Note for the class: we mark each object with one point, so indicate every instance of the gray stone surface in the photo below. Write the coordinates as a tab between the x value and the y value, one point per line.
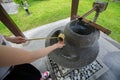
10	7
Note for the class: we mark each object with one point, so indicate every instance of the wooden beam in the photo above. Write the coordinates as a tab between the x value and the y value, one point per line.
99	27
74	9
6	20
0	1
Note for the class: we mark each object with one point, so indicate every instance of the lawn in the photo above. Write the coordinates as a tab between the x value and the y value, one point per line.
47	11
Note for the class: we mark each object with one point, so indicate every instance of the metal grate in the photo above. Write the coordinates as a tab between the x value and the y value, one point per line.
91	71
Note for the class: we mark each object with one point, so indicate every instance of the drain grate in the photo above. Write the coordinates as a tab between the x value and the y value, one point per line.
91	71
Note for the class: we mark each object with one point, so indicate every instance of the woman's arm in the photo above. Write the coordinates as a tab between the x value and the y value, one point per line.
13	56
17	39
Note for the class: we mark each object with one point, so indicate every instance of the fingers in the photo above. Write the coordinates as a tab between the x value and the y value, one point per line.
61	44
20	39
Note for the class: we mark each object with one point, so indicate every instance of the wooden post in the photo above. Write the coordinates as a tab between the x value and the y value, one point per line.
0	1
99	27
6	20
74	9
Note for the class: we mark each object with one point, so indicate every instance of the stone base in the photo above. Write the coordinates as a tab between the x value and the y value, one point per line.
89	72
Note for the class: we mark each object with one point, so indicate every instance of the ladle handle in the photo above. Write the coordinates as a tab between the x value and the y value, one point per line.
40	38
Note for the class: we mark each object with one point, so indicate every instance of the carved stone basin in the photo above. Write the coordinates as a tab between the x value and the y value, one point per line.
81	47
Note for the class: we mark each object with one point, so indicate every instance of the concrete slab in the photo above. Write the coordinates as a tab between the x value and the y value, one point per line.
10	7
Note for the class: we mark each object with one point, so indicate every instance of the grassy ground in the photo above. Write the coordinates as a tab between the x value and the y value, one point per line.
47	11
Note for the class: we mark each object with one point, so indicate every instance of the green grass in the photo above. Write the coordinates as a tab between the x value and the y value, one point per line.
47	11
109	19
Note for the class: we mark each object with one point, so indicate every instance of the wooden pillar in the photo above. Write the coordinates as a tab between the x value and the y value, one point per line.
6	20
74	9
0	1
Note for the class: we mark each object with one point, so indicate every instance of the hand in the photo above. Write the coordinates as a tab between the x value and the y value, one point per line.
60	44
16	40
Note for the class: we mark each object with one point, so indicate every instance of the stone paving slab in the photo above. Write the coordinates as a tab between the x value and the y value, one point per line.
11	7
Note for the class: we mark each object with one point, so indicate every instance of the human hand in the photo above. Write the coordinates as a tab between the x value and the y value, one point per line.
17	39
59	44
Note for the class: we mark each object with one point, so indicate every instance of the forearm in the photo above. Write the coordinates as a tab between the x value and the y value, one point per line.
44	51
7	38
13	56
16	40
